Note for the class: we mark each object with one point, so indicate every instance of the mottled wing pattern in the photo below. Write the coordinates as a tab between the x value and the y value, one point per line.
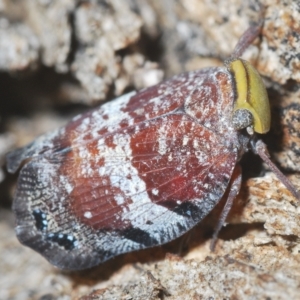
136	173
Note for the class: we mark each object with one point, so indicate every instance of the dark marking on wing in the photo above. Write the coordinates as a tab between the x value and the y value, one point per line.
139	236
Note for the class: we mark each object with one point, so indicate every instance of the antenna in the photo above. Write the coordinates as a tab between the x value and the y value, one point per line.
246	39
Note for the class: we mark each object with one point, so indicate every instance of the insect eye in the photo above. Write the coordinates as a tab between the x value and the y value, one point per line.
251	96
242	118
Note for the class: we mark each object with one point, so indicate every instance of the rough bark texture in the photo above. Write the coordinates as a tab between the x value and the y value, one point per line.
55	55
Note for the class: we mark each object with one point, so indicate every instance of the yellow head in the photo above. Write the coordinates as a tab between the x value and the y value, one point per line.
252	106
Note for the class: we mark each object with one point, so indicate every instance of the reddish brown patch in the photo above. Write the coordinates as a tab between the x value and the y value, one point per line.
97	198
204	96
92	199
225	86
142	100
174	179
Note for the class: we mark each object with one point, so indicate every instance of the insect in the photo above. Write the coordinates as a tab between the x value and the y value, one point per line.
143	169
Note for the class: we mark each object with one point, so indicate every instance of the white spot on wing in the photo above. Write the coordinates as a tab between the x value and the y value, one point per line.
185	140
155	192
88	215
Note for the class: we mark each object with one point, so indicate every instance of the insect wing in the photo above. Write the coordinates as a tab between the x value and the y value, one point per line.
135	173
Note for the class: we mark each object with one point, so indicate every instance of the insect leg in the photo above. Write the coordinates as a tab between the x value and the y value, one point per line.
234	188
